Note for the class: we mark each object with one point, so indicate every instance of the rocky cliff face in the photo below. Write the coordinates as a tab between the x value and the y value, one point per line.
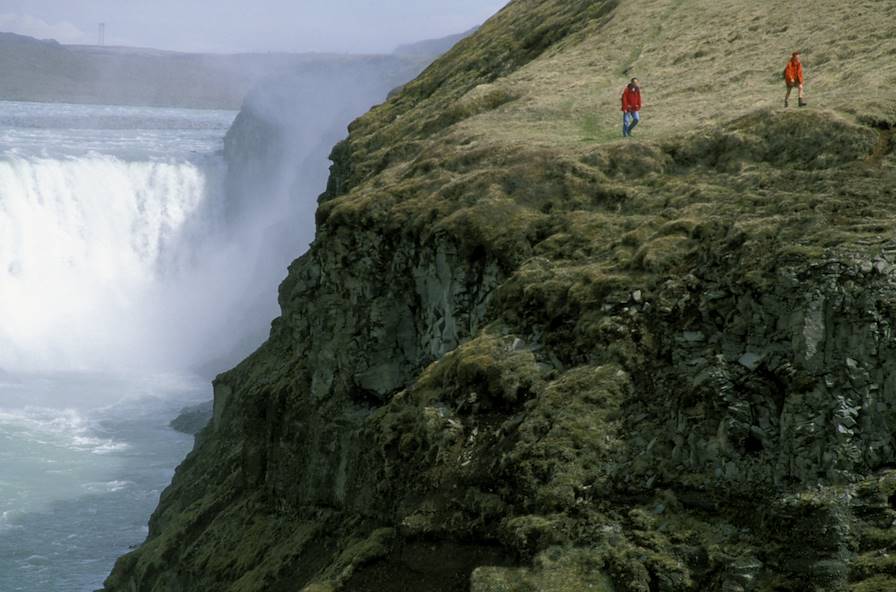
522	356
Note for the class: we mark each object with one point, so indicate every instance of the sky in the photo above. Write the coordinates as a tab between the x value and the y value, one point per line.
357	26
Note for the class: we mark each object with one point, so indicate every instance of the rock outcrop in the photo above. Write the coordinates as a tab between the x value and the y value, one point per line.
523	356
192	420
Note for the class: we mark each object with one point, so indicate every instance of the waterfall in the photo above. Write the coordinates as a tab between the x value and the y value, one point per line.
87	244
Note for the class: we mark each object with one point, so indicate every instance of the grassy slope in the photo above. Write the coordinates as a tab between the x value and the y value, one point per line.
701	62
633	275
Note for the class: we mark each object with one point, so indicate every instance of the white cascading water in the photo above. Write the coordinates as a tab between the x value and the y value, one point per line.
81	244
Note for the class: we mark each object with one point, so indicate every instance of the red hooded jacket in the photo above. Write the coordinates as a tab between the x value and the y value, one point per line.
631	99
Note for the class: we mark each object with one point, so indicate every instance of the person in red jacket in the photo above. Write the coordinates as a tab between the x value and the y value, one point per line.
793	76
631	105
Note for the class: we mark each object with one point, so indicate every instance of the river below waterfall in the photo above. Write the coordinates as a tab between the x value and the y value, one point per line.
78	482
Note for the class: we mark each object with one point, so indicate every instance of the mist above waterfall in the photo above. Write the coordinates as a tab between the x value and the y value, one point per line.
277	153
137	238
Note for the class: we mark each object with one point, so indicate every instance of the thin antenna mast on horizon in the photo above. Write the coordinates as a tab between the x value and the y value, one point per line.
101	40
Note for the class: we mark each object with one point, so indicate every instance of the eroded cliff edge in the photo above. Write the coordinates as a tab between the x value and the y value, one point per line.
523	356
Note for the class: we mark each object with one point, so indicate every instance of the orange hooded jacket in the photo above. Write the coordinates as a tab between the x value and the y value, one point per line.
794	71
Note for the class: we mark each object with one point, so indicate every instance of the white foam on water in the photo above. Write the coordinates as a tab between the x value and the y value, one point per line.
51	454
7	521
64	428
107	487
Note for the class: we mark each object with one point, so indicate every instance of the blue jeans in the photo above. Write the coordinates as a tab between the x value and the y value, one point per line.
629	121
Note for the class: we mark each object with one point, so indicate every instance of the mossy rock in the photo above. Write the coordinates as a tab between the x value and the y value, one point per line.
556	570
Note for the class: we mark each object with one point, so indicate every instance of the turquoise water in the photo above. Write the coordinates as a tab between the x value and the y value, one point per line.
79	481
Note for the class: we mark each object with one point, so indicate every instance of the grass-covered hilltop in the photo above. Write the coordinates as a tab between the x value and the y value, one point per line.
524	354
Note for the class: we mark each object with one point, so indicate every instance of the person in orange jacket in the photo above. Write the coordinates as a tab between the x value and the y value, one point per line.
631	105
793	76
